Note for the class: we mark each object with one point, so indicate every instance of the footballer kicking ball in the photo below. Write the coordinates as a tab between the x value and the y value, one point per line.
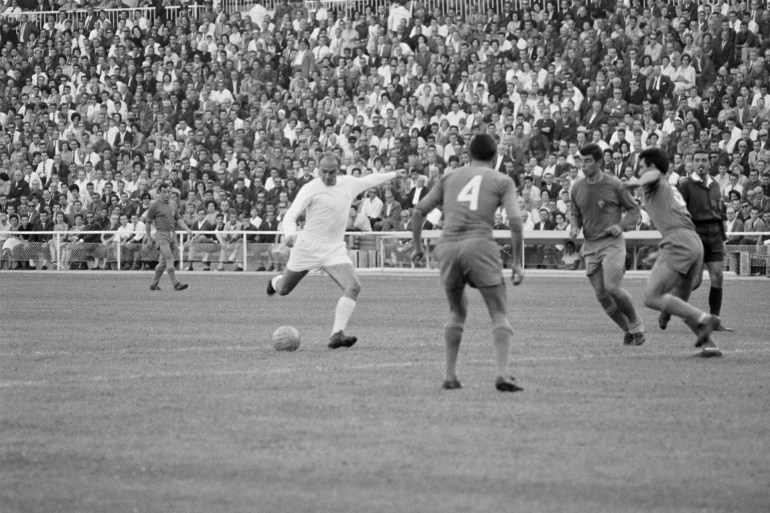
286	338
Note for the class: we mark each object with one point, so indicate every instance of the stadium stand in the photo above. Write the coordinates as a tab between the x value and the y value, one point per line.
233	102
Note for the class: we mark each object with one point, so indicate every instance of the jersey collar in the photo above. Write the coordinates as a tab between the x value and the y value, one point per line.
695	177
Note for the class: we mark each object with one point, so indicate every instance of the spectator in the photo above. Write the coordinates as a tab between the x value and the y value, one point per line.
570	259
733	225
203	105
754	224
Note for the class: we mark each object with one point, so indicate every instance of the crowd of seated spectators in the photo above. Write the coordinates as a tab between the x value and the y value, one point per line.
235	108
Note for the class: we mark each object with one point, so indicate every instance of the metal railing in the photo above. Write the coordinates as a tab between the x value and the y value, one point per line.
340	7
256	250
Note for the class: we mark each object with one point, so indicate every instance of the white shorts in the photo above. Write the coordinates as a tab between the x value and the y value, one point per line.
310	255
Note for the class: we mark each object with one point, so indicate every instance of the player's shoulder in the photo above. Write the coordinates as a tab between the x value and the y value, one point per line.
612	180
578	184
466	173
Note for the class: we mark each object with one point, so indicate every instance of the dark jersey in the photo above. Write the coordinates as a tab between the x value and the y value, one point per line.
597	206
704	202
470	196
164	214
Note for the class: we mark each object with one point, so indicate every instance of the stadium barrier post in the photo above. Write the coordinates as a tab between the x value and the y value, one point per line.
58	252
181	250
245	252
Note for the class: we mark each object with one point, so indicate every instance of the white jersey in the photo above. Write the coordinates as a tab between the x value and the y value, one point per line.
326	208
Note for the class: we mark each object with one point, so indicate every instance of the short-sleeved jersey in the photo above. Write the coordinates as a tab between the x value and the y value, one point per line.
597	206
327	207
470	196
165	214
666	207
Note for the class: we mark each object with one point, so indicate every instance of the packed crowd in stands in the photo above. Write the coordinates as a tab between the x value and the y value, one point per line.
234	109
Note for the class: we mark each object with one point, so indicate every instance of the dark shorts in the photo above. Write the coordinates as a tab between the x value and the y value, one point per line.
167	240
681	251
711	238
475	262
606	252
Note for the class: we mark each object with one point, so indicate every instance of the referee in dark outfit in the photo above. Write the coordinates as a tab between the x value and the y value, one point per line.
704	201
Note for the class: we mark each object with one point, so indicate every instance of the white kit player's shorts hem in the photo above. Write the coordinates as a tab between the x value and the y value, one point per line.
310	255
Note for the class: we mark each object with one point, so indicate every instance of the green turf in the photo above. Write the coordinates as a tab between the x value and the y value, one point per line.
113	398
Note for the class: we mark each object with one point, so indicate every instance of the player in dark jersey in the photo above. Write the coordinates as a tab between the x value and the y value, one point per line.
468	253
165	214
681	254
597	203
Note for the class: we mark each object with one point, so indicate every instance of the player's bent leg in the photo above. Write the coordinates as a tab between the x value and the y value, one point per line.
660	294
607	302
162	259
698	277
453	334
284	283
167	260
613	278
344	275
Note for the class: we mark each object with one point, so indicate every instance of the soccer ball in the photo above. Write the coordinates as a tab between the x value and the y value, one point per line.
286	338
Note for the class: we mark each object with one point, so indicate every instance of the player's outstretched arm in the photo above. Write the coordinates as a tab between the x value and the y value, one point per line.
359	185
434	198
633	211
648	178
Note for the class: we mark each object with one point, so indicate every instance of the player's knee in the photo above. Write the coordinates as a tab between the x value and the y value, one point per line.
456	318
612	289
455	324
716	276
353	289
603	296
651	300
502	323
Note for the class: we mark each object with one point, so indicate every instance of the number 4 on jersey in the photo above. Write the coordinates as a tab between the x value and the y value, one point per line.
470	192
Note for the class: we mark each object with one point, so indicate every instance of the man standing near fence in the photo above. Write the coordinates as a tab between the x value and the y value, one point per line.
597	200
165	214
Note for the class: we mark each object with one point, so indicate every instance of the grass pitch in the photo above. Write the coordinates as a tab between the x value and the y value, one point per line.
113	398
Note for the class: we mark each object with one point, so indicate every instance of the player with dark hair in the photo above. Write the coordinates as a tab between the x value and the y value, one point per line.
597	200
321	244
165	214
468	253
681	254
703	199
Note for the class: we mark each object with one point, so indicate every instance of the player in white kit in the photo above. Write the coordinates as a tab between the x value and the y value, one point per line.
326	203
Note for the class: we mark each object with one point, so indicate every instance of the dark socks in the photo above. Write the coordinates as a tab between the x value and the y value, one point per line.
715	301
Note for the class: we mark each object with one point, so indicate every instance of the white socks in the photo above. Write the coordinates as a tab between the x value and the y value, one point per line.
275	281
342	313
